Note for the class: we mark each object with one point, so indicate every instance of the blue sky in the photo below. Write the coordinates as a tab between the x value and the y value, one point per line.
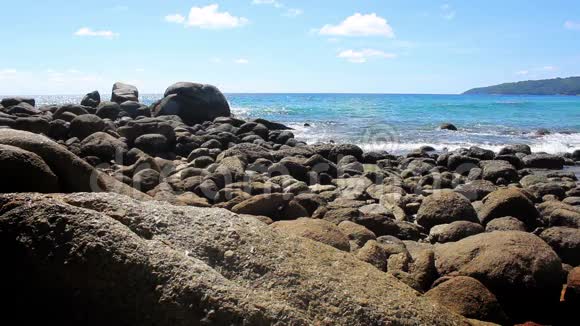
367	46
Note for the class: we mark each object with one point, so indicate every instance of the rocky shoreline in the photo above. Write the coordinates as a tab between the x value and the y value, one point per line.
178	213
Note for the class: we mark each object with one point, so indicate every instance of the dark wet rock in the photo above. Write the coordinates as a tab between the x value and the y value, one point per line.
317	230
22	109
448	126
133	129
103	146
25	171
134	109
10	101
566	243
108	110
468	297
249	152
84	125
445	207
58	129
124	92
152	144
543	161
508	202
272	125
518	267
494	170
69	112
342	150
480	153
476	190
37	125
236	271
507	223
454	231
516	148
461	163
92	99
194	103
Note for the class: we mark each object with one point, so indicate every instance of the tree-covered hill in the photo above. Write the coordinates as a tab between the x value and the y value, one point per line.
557	86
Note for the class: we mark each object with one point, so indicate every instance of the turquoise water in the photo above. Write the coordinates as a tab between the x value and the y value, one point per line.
399	123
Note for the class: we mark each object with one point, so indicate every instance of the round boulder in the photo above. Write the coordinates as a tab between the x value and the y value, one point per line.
507	223
84	125
454	231
103	146
566	243
92	99
518	267
508	202
193	103
124	92
468	297
25	172
443	207
152	143
146	180
317	230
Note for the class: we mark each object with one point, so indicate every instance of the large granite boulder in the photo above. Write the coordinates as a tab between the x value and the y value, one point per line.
24	171
443	207
124	92
315	229
74	174
469	298
193	102
104	259
518	267
508	202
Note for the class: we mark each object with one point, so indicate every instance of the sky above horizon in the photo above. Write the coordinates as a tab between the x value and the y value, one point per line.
362	46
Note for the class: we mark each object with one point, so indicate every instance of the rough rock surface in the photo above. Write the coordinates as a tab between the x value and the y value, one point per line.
113	260
469	298
444	207
518	267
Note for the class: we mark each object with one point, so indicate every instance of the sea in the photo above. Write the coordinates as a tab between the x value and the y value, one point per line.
399	123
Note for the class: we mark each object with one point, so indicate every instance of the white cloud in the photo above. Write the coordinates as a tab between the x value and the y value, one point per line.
364	55
177	18
447	11
268	2
522	72
208	17
293	12
573	25
549	68
360	25
86	31
242	61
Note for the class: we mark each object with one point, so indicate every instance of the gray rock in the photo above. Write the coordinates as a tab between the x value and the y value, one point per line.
10	101
104	146
208	265
448	126
152	144
194	103
516	148
476	190
84	125
124	92
92	99
493	170
108	110
543	161
146	180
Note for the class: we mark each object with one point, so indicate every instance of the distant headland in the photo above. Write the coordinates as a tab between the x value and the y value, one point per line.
556	86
